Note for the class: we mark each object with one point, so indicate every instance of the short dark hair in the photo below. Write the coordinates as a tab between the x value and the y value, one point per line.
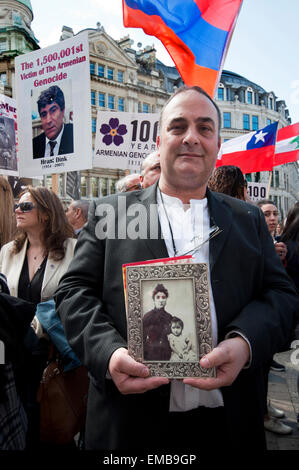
199	90
52	95
263	202
177	320
160	288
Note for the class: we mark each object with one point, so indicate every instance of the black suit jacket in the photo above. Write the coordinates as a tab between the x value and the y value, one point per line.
251	292
66	143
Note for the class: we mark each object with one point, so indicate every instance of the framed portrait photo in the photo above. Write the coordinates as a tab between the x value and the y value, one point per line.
168	318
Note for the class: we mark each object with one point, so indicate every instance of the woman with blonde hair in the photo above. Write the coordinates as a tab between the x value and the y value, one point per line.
7	220
33	264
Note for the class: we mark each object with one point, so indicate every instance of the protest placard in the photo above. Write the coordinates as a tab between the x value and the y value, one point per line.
8	136
123	140
53	98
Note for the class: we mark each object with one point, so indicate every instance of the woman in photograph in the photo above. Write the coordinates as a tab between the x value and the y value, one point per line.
156	328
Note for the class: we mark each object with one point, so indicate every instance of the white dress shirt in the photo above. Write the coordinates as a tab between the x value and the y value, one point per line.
190	225
56	148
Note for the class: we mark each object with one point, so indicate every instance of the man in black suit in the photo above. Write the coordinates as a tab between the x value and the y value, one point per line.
57	138
252	300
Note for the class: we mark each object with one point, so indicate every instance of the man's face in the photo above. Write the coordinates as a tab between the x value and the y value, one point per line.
133	183
189	142
71	214
151	172
52	120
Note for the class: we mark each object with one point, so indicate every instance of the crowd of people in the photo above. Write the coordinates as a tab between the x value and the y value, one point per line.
56	268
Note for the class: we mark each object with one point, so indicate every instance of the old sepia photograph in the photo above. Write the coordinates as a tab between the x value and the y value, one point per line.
169	322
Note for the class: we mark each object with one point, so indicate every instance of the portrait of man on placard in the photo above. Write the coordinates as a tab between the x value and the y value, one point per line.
8	154
52	112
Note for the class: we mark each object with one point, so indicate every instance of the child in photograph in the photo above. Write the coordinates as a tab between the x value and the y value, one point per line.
180	344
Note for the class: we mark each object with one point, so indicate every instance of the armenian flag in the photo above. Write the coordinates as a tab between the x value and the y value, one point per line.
196	33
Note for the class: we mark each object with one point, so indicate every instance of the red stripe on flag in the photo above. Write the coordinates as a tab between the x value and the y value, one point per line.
219	13
286	157
250	161
288	132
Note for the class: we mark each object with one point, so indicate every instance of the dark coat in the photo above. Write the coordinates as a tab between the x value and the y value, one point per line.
156	328
251	291
66	143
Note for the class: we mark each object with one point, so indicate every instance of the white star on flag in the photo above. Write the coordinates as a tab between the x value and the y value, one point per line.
260	136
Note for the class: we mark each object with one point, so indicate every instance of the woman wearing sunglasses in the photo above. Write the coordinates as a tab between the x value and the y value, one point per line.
33	264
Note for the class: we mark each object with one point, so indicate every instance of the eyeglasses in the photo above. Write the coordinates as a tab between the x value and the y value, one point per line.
24	206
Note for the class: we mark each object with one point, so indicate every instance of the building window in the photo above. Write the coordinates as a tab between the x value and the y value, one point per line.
246	124
101	70
3	45
95	186
266	101
257	177
93	125
220	94
255	123
120	76
242	96
110	73
121	104
102	100
104	186
269	122
139	107
83	186
112	185
229	94
92	68
3	78
226	120
93	98
110	101
271	103
249	97
145	108
276	176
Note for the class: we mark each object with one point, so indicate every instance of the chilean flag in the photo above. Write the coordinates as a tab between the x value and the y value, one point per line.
196	33
250	152
287	145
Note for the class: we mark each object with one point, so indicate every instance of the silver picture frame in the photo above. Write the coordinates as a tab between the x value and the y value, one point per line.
150	326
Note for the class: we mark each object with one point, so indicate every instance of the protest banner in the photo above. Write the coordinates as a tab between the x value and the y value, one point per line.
123	140
8	136
257	191
53	96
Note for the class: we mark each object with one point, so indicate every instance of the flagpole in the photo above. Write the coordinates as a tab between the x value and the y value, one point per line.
269	184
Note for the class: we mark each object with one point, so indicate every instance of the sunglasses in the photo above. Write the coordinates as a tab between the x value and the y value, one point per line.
24	206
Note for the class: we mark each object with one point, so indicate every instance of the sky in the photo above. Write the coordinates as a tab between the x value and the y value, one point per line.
264	46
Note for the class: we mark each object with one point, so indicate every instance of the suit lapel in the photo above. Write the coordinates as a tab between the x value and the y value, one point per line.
221	216
50	271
